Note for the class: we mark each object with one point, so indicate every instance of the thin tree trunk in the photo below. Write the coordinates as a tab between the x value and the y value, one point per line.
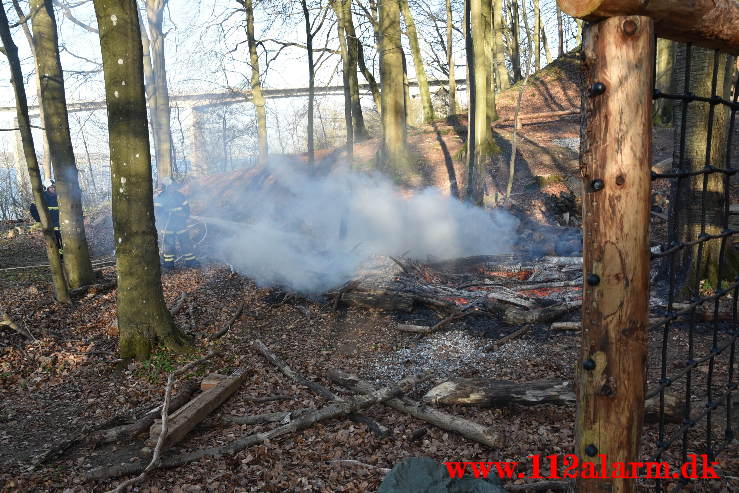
160	110
311	80
537	35
502	80
393	99
143	318
516	41
352	45
46	162
545	45
61	292
256	84
423	84
338	7
56	122
560	34
450	60
367	74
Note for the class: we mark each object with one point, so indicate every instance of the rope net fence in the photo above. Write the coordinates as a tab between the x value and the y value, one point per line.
695	269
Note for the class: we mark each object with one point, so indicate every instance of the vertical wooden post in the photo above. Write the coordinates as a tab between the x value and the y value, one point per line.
615	163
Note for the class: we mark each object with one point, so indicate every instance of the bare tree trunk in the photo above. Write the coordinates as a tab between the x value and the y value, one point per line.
701	261
352	45
311	80
516	41
450	60
61	291
545	46
393	99
537	35
502	80
160	110
487	21
46	163
423	84
560	34
481	145
256	84
143	318
338	7
56	123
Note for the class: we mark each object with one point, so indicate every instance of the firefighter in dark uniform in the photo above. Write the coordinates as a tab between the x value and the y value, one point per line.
52	204
172	212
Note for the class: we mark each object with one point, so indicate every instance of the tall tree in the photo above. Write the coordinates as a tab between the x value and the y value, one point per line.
450	59
61	291
353	53
56	122
537	35
309	35
423	83
338	6
480	143
515	40
560	34
391	77
158	89
502	81
257	96
46	163
706	133
143	318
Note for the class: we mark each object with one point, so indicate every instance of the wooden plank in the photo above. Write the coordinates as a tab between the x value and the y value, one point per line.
212	380
195	411
708	23
618	56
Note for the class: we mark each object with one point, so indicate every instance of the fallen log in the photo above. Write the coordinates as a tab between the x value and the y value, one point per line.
230	323
143	424
333	410
540	315
5	321
566	326
277	417
93	289
195	411
375	427
468	429
493	393
514	335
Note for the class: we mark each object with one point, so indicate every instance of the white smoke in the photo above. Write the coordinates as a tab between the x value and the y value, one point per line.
312	233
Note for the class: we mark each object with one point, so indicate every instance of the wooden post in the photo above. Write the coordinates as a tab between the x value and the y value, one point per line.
707	23
615	157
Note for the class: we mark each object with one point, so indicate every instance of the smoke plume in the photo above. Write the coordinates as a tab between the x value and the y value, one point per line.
312	233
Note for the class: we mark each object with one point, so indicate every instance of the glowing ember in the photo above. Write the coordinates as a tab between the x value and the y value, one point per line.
458	301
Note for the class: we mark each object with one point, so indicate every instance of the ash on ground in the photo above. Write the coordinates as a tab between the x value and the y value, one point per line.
455	353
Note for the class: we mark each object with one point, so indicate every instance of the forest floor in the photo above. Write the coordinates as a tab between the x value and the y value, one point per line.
66	382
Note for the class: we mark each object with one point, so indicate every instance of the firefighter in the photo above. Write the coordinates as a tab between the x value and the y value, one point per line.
52	204
172	212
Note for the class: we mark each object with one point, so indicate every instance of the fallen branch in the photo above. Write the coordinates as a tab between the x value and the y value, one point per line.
229	324
268	398
540	315
383	470
258	419
158	449
93	289
5	321
143	424
495	393
566	326
178	304
333	410
374	426
513	335
468	429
